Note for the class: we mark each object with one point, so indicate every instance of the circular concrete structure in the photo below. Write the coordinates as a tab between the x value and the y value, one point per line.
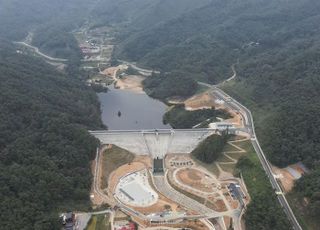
134	190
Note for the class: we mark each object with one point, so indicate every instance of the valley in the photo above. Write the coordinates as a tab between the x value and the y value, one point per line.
159	114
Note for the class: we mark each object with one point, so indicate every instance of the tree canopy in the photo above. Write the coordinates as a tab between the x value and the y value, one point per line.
45	148
211	148
164	86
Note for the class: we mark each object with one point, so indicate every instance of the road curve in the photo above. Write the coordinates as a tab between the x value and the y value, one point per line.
249	124
146	72
37	51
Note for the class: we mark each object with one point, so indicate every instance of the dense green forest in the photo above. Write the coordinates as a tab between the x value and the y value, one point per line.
45	149
57	42
211	148
306	196
164	86
136	15
179	118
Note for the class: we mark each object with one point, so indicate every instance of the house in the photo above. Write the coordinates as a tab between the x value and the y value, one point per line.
68	220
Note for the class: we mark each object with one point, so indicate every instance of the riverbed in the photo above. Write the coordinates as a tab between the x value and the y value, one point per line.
129	110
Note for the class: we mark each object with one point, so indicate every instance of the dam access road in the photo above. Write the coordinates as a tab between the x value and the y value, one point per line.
249	125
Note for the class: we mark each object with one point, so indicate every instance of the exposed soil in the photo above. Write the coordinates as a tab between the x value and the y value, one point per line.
227	221
217	204
188	224
206	100
200	101
194	179
131	82
286	178
194	175
110	71
160	206
236	119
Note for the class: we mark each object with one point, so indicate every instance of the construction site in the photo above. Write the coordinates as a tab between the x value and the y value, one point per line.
151	176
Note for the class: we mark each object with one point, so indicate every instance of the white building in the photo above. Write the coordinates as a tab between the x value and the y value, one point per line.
222	126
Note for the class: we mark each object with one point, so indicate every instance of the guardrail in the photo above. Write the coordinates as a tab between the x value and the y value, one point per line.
266	164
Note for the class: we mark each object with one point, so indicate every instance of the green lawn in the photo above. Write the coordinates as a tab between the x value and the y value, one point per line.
210	167
223	158
236	156
112	159
255	177
230	168
99	222
188	194
229	147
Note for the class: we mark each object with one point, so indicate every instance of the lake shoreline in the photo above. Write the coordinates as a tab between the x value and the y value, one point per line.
131	110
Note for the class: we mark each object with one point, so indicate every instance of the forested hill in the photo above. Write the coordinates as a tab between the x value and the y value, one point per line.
141	14
208	40
45	148
50	21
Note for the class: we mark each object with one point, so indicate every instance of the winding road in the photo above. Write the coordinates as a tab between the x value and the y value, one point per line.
145	72
249	125
37	51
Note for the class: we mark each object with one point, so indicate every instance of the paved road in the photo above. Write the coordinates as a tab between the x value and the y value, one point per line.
163	187
146	72
233	75
37	51
249	124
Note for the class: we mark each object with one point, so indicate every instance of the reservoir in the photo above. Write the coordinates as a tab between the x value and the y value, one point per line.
128	110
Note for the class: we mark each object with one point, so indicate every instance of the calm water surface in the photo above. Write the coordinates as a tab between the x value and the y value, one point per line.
138	111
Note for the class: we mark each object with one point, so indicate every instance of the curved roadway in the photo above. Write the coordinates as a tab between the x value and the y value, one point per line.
249	125
37	51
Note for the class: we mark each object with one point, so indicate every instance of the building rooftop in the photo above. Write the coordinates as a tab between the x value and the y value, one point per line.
136	192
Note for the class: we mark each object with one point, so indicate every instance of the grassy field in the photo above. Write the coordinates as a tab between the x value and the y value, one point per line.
223	158
99	222
112	159
210	167
229	147
236	156
188	194
255	178
230	168
226	167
